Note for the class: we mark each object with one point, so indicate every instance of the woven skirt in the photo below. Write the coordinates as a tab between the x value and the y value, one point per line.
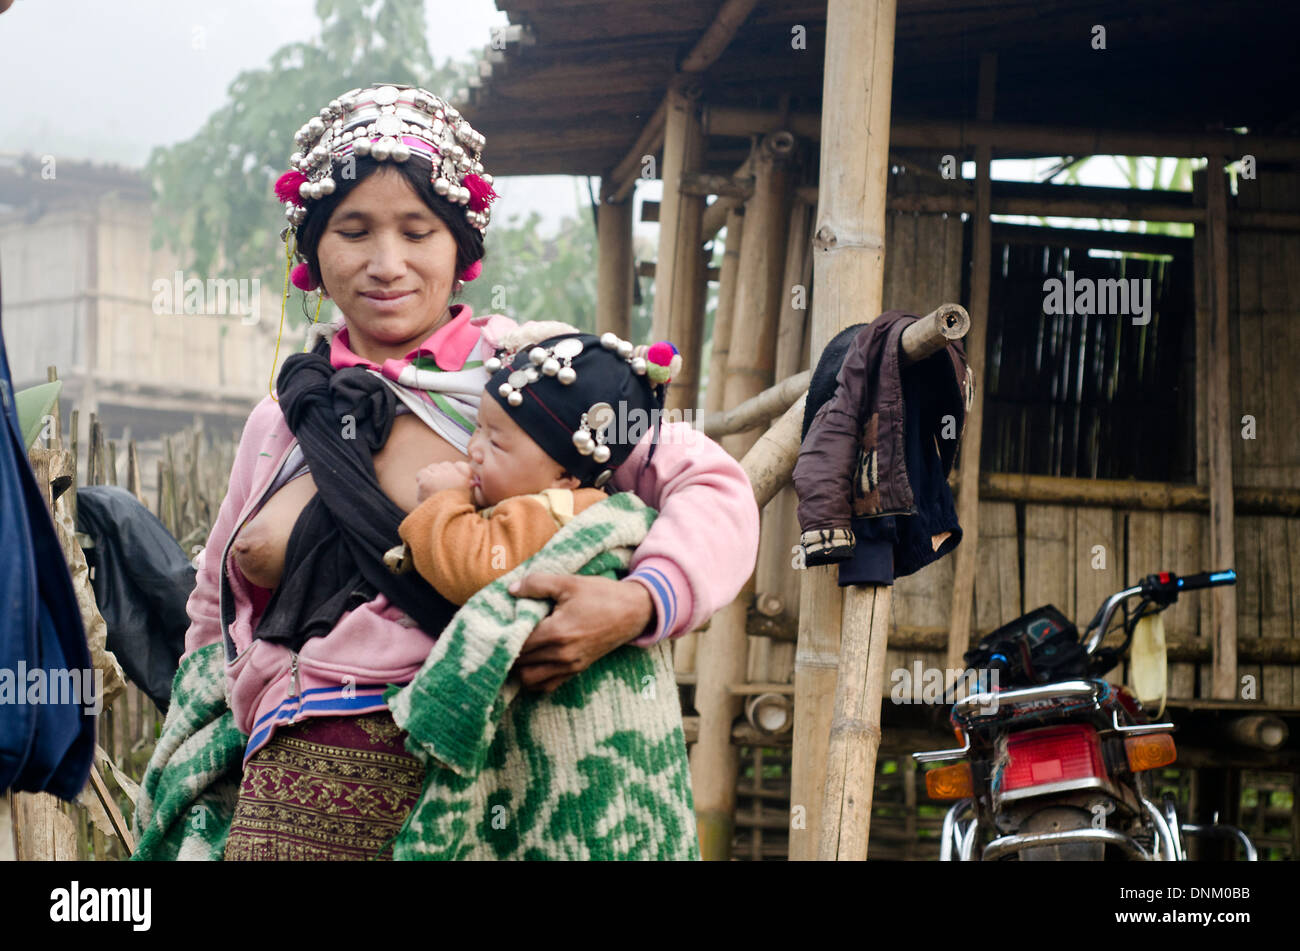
328	788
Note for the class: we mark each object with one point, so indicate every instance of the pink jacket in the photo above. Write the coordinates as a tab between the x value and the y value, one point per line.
703	498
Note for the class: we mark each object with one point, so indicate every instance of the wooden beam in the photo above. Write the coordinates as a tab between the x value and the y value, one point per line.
1015	138
704	185
1130	494
963	588
1219	428
614	268
622	179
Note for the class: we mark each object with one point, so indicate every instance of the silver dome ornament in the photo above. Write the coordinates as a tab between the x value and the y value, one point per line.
583	442
381	150
315	126
609	340
289	210
335	106
401	152
566	375
533	375
638	366
327	186
296	159
385	95
625	349
505	389
487	179
603	478
441	186
361	147
315	191
551	366
304	191
538	355
515	398
601	454
492	364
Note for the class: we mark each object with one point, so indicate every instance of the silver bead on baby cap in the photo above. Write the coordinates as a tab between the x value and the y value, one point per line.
542	361
589	437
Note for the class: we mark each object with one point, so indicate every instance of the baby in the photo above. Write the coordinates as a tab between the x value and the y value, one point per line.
544	446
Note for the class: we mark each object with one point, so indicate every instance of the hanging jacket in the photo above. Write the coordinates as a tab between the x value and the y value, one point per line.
142	581
47	687
877	449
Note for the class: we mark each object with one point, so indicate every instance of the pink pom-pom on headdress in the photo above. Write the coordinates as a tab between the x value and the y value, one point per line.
480	192
471	272
663	362
300	277
287	185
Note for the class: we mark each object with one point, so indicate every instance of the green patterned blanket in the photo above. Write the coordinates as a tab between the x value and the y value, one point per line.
596	770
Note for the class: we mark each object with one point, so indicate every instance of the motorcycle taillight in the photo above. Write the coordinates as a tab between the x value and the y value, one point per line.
1052	755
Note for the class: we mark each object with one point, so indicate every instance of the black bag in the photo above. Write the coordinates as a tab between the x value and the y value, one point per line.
1039	647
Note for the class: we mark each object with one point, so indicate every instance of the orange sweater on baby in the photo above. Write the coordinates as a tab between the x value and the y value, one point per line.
458	548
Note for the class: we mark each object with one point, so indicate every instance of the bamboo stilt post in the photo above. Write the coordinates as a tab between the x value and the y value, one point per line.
614	273
848	283
773	579
963	587
111	462
1219	435
722	317
751	357
679	267
133	478
722	654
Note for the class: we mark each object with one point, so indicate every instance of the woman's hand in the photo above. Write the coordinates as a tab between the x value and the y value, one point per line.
592	617
441	475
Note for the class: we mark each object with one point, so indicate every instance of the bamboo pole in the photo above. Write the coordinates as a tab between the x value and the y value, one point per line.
758	410
848	284
751	358
722	317
770	461
721	657
963	587
1125	493
614	268
1219	434
678	266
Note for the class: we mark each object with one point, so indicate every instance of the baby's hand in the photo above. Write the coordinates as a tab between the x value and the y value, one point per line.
439	476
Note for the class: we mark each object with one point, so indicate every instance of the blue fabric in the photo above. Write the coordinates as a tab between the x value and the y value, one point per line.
44	746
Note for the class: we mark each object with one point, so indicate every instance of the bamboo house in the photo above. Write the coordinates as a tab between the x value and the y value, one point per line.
829	141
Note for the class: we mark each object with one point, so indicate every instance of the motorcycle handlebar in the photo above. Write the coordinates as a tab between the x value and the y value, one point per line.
1207	579
1162	588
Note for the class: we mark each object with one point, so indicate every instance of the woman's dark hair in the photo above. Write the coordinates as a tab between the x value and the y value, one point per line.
416	169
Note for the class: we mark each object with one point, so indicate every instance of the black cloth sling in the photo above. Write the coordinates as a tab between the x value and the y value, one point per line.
334	559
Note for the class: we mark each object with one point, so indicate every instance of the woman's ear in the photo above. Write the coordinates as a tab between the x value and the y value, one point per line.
567	481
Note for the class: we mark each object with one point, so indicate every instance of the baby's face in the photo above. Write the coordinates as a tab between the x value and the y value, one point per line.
504	461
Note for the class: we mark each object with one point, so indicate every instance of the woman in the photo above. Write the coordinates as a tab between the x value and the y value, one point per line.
387	202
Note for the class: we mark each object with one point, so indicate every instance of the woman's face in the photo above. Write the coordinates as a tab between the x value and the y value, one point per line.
388	262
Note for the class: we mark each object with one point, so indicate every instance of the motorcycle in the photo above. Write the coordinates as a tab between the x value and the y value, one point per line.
1054	762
